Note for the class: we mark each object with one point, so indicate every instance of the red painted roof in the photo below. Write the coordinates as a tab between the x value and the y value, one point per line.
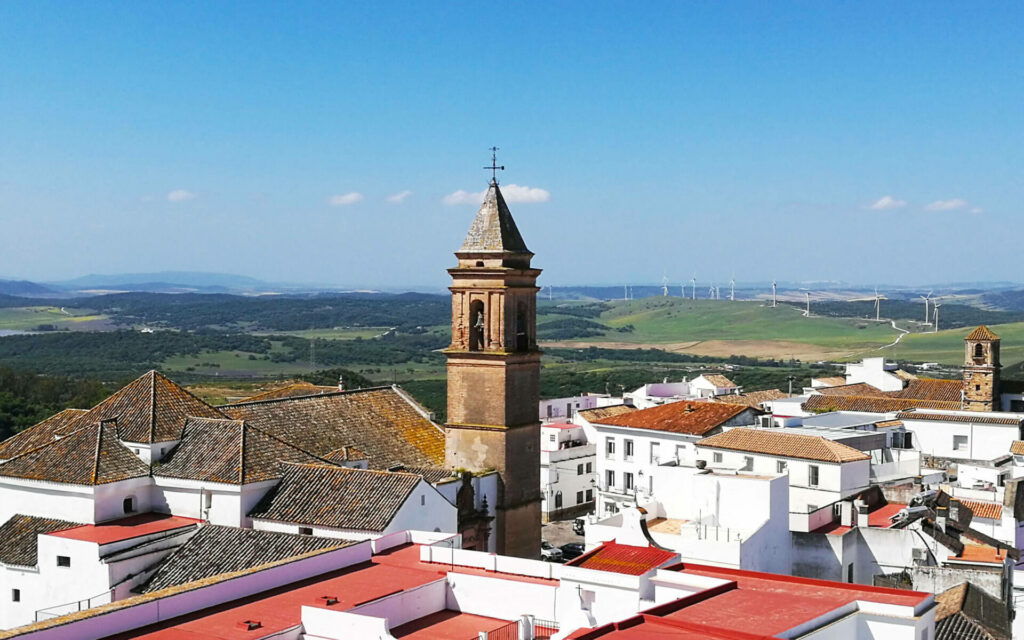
879	519
771	604
143	524
278	609
621	558
560	425
693	418
446	624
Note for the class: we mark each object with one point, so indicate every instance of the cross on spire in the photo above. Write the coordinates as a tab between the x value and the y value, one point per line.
494	165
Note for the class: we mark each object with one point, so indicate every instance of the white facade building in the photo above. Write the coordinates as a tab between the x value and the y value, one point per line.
567	471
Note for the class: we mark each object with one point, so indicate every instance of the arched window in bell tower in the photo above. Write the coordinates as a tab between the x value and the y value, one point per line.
979	351
477	323
522	328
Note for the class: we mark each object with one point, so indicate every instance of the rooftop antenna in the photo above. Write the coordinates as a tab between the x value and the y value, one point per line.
494	165
732	289
664	286
775	300
693	287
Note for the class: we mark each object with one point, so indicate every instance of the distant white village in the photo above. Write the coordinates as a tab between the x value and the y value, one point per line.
870	505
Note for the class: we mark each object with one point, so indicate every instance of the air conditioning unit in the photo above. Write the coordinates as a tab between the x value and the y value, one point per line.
920	555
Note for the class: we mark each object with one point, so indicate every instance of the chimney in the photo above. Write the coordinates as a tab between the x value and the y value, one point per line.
862	512
341	383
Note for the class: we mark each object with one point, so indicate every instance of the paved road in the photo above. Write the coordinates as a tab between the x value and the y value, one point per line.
559	533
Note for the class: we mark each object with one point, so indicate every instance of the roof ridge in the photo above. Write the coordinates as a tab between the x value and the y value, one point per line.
312	395
96	455
47	444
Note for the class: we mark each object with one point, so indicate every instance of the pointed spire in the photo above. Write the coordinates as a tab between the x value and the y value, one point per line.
493	229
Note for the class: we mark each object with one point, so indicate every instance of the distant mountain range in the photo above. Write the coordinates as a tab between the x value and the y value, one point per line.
164	280
24	288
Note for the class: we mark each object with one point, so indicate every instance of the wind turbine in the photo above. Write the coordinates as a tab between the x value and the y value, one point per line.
711	292
926	299
878	306
732	289
808	296
693	285
774	299
935	308
664	286
625	292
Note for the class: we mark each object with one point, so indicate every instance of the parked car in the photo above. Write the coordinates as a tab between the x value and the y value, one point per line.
572	550
550	553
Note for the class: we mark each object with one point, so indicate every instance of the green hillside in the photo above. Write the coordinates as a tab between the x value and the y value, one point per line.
947	347
676	319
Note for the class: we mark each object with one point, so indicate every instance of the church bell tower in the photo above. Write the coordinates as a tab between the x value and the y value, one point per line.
981	370
493	367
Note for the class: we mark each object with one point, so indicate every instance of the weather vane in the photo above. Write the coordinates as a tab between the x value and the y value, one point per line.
494	164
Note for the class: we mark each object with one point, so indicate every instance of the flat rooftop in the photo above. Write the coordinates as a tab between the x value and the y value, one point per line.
774	603
278	609
878	519
447	625
137	526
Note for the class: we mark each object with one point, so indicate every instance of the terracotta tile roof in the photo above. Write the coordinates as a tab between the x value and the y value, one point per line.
18	538
904	375
752	398
230	452
855	389
90	456
214	550
296	389
832	381
151	408
981	553
59	424
981	333
961	613
337	497
889	423
789	445
930	389
965	417
983	509
624	559
493	229
694	418
823	403
1017	447
346	453
719	380
381	422
600	413
433	475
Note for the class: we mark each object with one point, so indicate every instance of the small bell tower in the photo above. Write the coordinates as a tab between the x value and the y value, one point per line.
493	368
981	370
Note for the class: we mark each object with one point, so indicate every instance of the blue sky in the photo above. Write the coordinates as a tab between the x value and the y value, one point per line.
645	139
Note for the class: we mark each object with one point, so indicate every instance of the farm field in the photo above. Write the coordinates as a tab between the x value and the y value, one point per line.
722	328
29	318
947	347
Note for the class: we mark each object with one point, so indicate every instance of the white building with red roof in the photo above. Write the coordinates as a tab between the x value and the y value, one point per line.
419	586
567	463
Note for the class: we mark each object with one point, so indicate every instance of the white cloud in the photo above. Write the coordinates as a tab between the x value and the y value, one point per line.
399	197
947	205
343	200
977	210
513	193
180	195
887	202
